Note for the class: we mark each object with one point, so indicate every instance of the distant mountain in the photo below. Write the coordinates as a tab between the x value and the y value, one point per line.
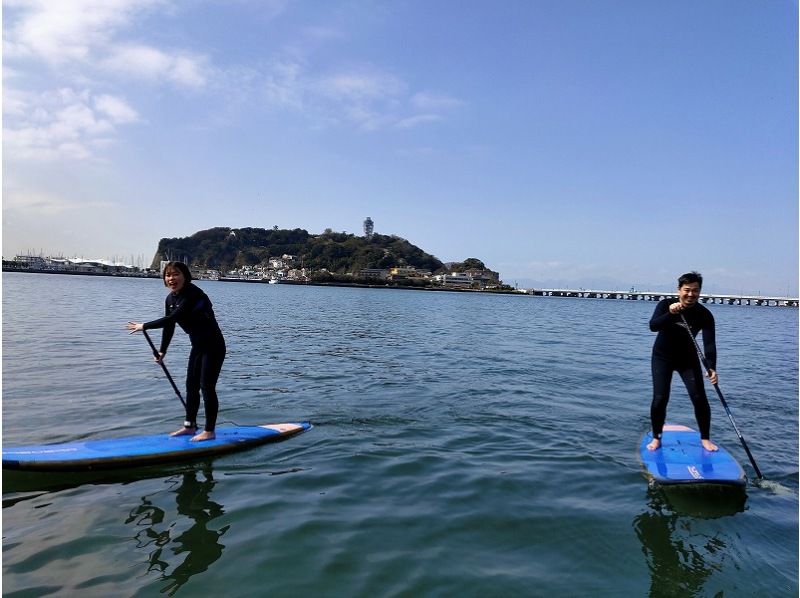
228	248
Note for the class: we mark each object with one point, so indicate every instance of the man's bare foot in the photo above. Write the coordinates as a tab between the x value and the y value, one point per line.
185	432
708	445
204	436
654	445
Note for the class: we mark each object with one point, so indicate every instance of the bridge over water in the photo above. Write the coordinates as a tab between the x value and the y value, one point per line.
659	295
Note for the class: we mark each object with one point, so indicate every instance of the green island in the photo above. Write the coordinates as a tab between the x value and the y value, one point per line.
297	256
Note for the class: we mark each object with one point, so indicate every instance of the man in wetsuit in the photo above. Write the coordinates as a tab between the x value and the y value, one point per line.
674	351
189	307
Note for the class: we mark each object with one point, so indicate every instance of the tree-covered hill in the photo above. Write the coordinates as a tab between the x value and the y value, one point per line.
225	249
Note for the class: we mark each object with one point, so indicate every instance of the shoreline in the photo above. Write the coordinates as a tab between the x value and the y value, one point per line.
714	299
266	281
76	273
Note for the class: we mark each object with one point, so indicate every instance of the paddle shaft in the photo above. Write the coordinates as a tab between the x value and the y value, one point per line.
722	399
163	367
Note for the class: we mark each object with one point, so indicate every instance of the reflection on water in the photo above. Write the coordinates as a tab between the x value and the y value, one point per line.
199	543
682	552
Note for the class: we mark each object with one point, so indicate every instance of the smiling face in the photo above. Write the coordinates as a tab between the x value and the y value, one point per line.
174	279
689	293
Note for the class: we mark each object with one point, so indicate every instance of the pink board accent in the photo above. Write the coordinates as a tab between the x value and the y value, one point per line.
676	428
282	428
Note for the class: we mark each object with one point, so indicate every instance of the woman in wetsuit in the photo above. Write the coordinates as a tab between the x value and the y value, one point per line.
190	308
674	351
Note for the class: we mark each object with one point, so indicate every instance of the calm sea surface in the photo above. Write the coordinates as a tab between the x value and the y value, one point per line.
464	445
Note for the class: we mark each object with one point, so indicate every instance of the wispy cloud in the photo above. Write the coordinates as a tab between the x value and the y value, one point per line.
361	87
413	121
370	99
429	100
43	204
367	97
284	84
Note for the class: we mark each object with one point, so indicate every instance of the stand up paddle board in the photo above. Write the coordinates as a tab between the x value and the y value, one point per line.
683	460
136	451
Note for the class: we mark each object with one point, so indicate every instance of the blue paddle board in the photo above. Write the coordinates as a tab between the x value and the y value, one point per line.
683	460
135	451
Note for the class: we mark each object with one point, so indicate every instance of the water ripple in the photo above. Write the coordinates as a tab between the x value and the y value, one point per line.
463	445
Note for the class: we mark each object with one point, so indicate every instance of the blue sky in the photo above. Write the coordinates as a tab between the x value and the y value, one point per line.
596	144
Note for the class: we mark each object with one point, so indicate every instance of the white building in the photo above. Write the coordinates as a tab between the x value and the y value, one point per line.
456	279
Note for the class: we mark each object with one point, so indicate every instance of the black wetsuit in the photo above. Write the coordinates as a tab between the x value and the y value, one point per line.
192	310
674	351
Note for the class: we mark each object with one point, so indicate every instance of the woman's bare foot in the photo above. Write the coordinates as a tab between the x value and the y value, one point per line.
708	445
654	445
185	432
204	435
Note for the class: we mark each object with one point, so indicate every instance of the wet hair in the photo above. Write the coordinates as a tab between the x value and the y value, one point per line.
183	268
691	277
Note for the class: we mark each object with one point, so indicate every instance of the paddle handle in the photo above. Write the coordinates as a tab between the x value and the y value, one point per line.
163	367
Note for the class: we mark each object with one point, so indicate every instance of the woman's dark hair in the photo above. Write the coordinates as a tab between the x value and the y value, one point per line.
691	277
184	269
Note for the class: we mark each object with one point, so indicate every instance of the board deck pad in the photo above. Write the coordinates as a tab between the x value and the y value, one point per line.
136	451
683	460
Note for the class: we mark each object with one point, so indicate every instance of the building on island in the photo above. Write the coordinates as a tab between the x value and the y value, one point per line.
454	279
377	273
408	273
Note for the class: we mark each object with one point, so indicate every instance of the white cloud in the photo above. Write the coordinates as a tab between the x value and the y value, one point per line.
146	62
63	124
61	31
88	34
188	70
14	102
116	109
139	61
79	39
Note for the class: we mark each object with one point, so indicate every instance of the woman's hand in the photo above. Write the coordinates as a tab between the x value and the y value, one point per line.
134	327
712	376
159	358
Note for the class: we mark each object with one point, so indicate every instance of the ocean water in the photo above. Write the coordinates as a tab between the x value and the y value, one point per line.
464	445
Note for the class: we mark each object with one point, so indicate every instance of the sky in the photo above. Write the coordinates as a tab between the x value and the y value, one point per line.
600	144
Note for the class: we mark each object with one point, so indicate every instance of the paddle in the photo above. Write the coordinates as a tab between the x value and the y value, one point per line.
722	399
163	367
